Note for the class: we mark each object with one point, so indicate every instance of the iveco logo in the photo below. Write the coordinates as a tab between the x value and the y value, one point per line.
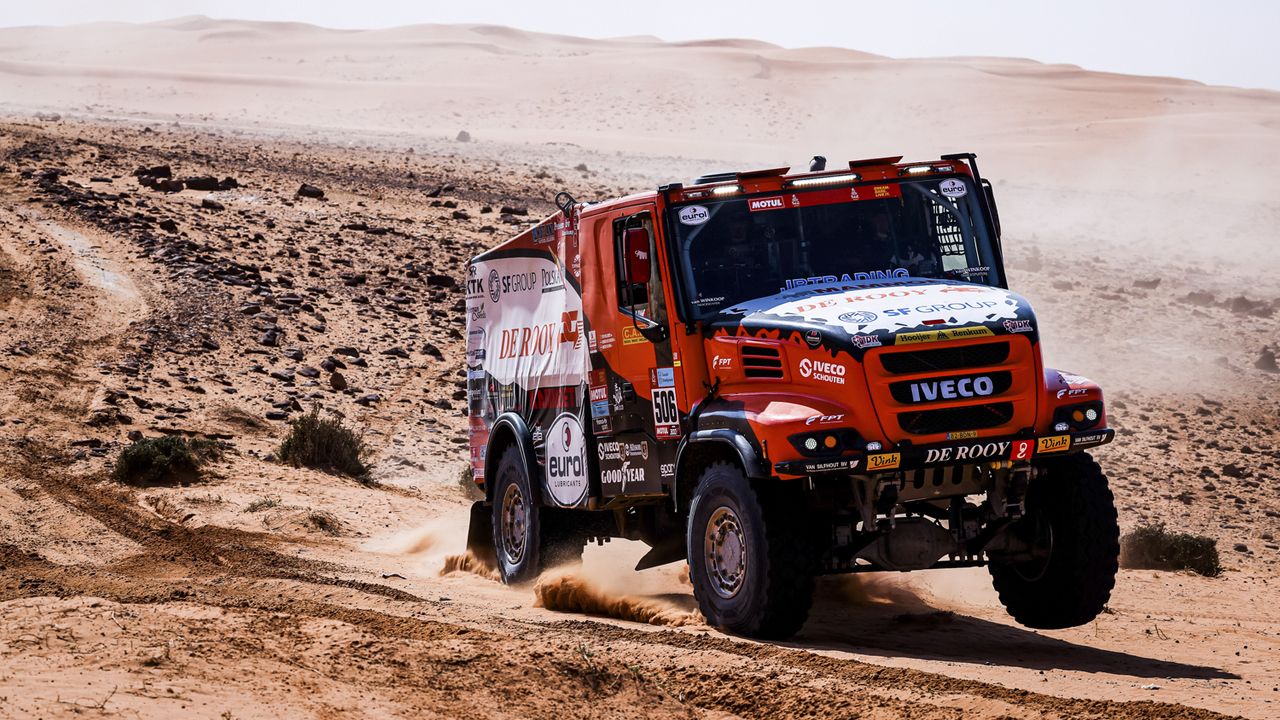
952	389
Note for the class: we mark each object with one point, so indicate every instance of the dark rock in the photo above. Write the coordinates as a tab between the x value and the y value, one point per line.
211	204
396	352
293	353
369	399
511	210
433	351
282	375
310	191
277	415
337	381
346	351
210	344
169	225
167	186
463	136
203	182
228	183
157	171
461	215
307	371
269	338
1267	361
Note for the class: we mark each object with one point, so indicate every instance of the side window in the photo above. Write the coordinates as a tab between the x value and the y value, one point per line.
643	299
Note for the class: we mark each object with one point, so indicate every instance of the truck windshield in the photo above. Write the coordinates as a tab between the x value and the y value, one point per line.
752	246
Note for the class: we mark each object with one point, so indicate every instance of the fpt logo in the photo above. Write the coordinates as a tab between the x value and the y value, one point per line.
495	286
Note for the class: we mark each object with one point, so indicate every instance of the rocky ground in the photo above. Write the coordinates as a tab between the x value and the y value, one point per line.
165	280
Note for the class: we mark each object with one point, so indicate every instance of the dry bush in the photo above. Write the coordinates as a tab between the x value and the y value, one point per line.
325	444
1155	548
164	459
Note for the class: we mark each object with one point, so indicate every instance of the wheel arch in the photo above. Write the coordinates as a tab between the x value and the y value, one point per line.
700	449
509	429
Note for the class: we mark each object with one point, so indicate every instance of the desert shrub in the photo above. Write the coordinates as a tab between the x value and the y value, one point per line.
164	458
325	444
1156	548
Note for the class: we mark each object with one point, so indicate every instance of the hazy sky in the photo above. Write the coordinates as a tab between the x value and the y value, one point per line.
1225	42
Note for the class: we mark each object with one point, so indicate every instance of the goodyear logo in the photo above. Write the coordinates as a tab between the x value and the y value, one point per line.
887	461
927	336
1057	443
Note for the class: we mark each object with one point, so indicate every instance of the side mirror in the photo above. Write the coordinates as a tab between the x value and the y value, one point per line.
636	248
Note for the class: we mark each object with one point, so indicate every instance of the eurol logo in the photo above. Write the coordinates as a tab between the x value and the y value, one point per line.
768	203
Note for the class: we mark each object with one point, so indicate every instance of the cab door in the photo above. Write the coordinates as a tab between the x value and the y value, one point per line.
634	384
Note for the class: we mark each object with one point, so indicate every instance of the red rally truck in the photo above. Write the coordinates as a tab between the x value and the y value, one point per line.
779	375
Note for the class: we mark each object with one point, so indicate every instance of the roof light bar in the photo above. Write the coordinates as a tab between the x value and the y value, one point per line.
725	190
824	180
917	170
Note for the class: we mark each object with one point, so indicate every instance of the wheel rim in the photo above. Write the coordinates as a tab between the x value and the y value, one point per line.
515	520
726	552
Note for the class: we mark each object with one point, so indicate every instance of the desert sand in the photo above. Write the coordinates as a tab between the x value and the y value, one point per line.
1139	218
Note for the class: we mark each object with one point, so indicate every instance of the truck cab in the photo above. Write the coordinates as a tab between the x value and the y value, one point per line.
776	375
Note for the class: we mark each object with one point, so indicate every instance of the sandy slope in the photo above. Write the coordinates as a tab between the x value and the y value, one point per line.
267	591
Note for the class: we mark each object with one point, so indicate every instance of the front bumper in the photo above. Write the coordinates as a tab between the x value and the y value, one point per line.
970	452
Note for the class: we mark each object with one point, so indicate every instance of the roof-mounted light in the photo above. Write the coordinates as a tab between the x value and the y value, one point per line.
823	180
916	170
723	190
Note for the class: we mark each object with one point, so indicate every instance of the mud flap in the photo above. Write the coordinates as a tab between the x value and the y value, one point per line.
480	533
667	550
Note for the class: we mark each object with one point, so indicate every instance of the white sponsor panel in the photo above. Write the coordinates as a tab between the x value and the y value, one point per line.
886	307
532	323
566	460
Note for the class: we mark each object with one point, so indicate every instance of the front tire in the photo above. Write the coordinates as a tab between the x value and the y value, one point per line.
1071	512
748	563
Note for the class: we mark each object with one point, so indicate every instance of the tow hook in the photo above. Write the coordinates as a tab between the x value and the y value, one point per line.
1016	492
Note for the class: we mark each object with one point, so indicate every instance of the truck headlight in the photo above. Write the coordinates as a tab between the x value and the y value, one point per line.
1078	417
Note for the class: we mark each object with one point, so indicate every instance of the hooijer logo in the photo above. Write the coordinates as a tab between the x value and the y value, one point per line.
693	215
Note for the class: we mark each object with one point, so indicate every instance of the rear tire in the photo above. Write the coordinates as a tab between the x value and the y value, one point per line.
748	561
526	536
1071	507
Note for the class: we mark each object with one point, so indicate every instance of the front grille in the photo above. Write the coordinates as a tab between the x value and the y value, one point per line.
1001	381
942	420
761	362
946	358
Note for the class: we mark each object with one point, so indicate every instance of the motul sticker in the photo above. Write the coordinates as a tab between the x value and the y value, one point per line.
666	414
768	203
887	461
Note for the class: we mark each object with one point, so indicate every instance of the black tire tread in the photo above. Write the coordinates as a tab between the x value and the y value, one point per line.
788	581
1082	571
